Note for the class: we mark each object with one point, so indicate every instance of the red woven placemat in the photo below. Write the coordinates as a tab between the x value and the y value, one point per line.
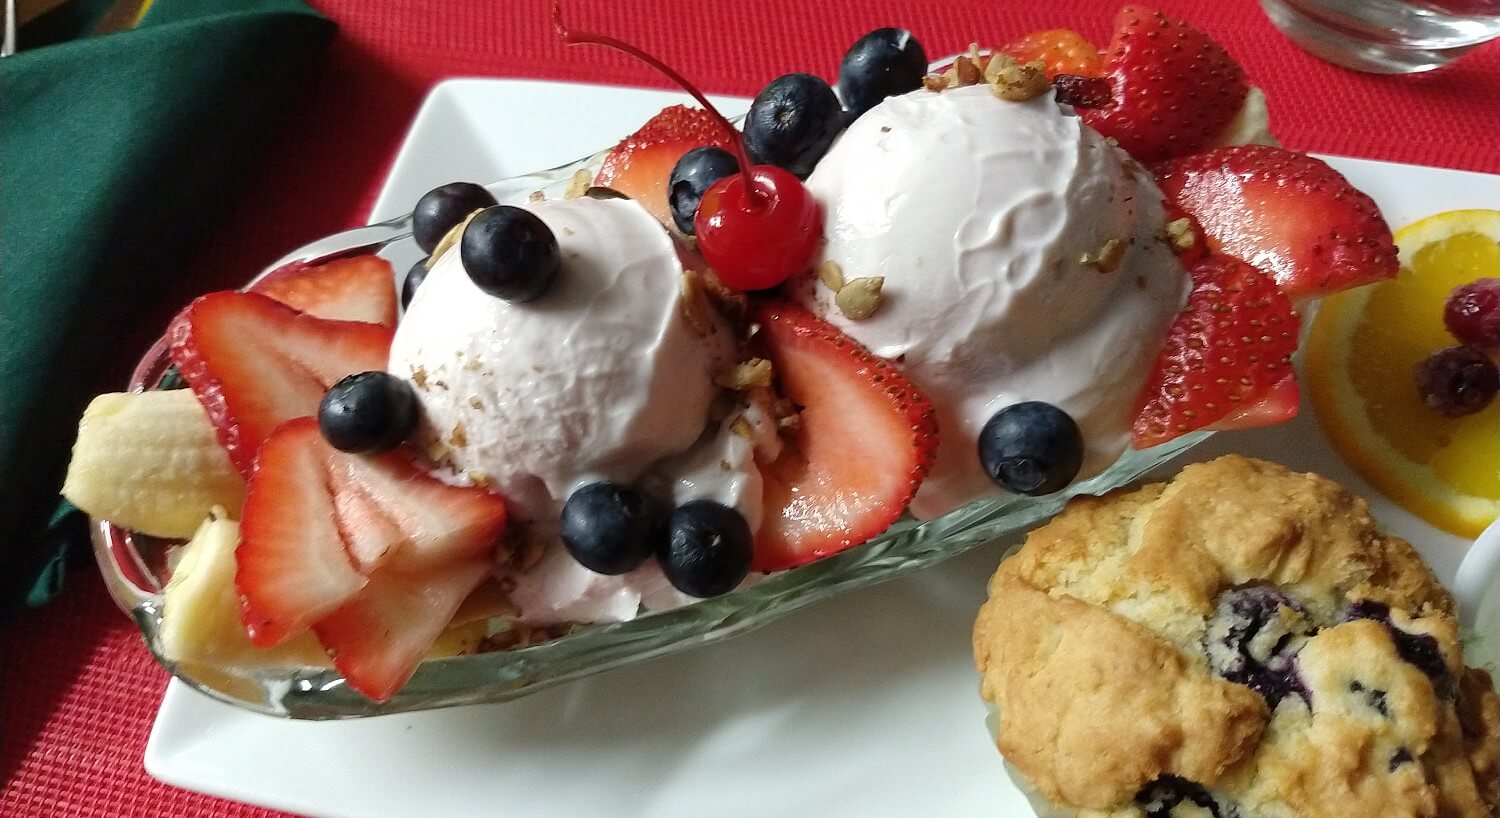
78	691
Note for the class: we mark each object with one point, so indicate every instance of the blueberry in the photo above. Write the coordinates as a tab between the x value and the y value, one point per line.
1253	638
510	253
1160	797
692	176
1031	448
444	206
792	122
707	549
883	63
414	278
1374	698
1418	649
368	412
610	529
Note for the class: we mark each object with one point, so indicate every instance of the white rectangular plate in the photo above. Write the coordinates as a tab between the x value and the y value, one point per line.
863	706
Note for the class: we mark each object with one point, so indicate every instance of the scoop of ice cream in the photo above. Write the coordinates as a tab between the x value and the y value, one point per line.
602	378
1021	260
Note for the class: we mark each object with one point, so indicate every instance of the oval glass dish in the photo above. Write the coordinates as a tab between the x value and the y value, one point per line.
137	568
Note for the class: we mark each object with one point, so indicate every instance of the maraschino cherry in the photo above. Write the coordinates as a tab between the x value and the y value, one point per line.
755	228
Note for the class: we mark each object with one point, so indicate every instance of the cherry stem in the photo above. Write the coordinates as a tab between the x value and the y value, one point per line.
570	37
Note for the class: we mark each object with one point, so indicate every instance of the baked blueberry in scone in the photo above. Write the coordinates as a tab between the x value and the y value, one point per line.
1242	642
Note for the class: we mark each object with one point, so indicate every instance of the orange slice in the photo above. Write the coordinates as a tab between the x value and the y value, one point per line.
1362	352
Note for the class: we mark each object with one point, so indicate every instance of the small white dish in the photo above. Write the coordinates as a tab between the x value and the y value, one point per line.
1477	588
865	705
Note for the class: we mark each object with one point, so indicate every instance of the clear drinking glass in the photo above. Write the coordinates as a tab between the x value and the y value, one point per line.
1387	36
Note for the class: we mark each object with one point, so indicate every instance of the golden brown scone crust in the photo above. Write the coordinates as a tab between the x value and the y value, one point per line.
1091	647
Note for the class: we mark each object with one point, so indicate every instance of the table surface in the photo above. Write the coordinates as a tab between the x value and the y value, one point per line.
78	691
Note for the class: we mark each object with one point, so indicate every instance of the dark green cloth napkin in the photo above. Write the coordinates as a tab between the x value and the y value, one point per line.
114	151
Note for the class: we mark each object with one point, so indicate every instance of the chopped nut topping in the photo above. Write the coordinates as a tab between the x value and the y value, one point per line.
537	196
695	306
935	82
742	427
477	477
1017	83
860	298
475	402
831	275
579	184
419	377
746	375
998	61
730	303
787	416
1179	233
459	437
450	239
967	70
438	452
1107	260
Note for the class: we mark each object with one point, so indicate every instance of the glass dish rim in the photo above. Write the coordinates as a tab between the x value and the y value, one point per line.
319	694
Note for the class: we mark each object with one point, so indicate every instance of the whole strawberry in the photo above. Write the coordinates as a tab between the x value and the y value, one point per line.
1227	355
1060	50
1174	89
640	165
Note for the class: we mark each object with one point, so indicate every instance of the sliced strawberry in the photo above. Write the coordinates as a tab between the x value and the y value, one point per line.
1061	50
359	288
1229	349
1278	406
640	165
318	521
1174	88
1285	212
292	567
255	363
378	638
864	443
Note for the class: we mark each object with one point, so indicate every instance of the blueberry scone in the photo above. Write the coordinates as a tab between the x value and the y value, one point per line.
1239	643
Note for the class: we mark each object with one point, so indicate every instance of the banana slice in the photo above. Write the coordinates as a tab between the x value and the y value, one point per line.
200	623
149	462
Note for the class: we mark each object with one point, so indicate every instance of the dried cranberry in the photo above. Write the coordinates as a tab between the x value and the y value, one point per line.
1473	312
1458	381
